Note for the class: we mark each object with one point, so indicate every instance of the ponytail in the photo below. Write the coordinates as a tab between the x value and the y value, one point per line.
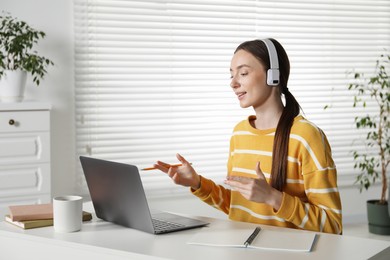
281	140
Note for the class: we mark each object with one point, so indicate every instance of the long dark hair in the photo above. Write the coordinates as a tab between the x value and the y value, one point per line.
291	109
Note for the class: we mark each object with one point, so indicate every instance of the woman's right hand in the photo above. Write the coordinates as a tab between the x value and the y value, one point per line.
183	175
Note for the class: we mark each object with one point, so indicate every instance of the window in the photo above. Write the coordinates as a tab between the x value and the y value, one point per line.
152	77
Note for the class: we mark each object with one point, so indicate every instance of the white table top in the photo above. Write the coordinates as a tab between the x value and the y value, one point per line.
100	239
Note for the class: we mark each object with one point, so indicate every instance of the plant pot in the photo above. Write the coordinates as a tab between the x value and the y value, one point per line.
12	86
378	218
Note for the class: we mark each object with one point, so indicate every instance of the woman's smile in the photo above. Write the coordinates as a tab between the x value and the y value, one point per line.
240	95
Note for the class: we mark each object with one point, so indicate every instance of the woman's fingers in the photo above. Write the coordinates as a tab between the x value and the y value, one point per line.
164	167
182	160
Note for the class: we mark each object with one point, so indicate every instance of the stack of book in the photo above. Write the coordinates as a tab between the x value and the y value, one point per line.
34	216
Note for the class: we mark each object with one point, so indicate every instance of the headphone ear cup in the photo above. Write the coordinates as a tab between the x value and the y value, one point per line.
273	77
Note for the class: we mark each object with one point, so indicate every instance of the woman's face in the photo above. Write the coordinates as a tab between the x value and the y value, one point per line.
248	80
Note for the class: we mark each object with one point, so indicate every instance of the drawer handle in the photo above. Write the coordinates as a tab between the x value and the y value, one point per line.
11	122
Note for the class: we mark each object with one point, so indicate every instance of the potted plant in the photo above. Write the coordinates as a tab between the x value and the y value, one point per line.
17	58
373	163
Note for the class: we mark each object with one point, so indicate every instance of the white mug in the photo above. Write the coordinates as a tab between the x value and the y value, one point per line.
67	213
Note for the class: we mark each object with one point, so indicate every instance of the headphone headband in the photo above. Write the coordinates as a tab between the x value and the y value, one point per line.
273	72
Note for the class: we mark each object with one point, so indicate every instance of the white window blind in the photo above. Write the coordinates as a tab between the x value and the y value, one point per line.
152	77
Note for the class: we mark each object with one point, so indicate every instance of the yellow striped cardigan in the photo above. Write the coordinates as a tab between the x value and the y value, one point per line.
311	198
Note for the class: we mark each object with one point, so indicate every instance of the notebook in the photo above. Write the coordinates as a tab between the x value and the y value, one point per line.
264	239
118	196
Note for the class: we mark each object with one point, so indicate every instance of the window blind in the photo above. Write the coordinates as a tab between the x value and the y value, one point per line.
152	77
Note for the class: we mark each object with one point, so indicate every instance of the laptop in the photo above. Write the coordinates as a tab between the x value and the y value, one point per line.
118	196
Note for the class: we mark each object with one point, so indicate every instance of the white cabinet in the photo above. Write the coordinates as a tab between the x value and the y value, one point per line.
24	153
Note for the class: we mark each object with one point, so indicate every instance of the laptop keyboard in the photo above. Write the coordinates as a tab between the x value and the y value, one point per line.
161	225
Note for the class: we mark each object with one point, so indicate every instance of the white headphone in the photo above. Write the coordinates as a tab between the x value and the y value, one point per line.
273	72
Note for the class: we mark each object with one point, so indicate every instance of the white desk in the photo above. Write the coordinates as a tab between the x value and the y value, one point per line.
103	240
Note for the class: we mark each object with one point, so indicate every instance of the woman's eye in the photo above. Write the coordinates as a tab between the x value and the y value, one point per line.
244	73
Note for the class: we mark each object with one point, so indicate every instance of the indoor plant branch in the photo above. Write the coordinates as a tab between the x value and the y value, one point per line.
373	166
17	39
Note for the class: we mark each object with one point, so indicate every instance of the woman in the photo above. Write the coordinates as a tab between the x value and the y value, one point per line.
280	168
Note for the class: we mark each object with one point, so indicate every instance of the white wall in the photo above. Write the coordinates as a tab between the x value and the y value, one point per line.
55	18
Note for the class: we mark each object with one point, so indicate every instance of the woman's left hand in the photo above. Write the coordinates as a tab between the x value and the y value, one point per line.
256	189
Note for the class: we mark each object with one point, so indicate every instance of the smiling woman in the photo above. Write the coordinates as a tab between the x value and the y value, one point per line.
152	76
280	167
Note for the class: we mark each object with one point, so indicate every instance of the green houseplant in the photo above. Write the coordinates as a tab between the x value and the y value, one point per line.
373	165
17	58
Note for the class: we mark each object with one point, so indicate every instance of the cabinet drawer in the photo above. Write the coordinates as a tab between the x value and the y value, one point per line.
26	199
24	121
28	179
24	148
